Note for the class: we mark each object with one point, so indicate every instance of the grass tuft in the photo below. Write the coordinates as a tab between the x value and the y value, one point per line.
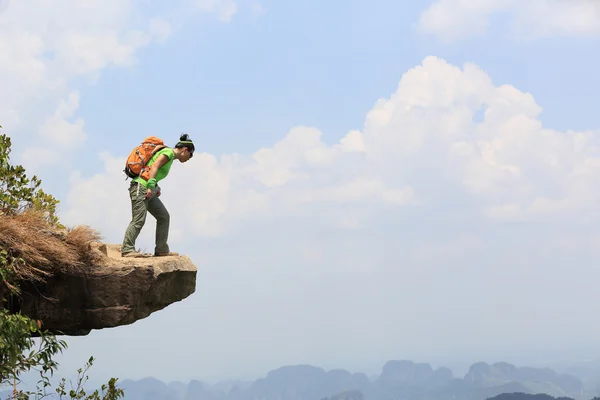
33	250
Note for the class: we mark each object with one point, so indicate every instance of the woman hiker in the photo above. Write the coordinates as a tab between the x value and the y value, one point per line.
144	198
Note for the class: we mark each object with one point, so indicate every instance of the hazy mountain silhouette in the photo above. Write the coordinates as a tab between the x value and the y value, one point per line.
524	396
398	380
589	373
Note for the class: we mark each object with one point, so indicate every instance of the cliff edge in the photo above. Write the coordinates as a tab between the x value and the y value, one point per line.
73	283
118	291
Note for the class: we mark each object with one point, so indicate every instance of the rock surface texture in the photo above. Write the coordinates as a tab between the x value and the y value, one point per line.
118	291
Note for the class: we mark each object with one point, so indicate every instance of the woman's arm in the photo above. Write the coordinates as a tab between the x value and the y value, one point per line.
160	161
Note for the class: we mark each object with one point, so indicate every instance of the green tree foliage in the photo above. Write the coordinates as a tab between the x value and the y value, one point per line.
18	351
18	192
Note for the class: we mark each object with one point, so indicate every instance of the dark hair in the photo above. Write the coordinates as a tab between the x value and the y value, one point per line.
185	141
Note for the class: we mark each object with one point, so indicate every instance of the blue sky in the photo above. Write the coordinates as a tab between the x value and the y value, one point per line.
418	209
304	63
325	66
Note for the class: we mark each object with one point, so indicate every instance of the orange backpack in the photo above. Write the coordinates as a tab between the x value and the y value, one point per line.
138	158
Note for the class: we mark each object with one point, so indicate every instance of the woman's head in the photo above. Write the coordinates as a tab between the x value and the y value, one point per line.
184	149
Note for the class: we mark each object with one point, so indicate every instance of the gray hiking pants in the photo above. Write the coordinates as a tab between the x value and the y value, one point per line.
140	206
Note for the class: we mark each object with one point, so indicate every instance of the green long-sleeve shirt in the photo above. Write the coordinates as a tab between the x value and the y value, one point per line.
163	171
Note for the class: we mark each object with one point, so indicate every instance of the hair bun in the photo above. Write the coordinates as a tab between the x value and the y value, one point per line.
185	138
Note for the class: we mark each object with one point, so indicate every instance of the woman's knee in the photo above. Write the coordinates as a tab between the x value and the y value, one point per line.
163	216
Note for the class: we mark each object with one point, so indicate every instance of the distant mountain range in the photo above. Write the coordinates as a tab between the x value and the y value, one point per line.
398	380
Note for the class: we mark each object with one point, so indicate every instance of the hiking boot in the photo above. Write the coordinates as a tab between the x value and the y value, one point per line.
134	254
165	254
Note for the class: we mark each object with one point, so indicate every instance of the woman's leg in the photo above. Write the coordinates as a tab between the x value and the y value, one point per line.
159	211
139	208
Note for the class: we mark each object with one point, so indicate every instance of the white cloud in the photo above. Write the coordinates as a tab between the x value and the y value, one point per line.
456	19
399	225
60	136
161	29
419	149
43	49
48	48
258	8
58	129
226	9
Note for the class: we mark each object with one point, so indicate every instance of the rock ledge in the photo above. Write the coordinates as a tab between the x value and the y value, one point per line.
118	291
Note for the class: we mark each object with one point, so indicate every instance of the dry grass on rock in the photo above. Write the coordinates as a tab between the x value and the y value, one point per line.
36	251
